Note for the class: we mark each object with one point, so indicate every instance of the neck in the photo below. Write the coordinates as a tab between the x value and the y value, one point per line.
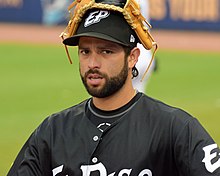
115	101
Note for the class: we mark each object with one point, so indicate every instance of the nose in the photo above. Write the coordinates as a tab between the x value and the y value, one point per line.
94	61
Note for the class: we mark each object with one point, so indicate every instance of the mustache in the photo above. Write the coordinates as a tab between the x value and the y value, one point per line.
94	71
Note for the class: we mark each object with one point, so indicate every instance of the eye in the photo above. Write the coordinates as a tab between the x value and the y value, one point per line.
84	51
107	51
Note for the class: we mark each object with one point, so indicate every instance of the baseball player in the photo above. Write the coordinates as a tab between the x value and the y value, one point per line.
118	131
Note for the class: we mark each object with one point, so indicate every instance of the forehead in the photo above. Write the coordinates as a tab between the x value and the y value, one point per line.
86	41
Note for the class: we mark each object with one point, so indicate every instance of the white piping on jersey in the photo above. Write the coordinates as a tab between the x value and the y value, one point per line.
112	116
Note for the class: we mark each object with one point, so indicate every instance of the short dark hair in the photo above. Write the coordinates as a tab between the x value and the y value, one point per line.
127	51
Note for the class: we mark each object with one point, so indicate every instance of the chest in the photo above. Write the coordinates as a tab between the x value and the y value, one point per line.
131	148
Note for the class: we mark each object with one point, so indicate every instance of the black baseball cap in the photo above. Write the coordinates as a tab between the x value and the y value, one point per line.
104	24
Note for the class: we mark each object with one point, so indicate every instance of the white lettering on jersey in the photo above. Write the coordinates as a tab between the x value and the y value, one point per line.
146	172
87	169
124	171
209	156
57	170
95	17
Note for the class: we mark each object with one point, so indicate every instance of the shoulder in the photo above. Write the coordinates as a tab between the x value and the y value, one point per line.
63	119
180	123
164	111
71	112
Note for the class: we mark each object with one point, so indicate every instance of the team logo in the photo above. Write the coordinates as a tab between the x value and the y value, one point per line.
95	17
212	157
132	39
103	126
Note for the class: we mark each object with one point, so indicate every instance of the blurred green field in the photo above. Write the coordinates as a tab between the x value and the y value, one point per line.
37	80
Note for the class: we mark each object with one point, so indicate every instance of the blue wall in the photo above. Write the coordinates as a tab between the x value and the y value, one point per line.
26	11
165	14
185	14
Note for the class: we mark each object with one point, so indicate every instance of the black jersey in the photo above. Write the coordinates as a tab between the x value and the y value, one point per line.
149	139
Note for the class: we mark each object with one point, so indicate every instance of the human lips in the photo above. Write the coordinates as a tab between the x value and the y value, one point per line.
94	79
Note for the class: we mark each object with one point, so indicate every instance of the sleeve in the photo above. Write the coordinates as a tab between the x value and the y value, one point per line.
33	158
196	153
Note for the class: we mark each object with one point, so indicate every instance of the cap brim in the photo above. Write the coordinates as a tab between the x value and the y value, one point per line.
74	40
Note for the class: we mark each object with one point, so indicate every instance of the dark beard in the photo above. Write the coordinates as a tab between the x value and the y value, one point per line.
112	84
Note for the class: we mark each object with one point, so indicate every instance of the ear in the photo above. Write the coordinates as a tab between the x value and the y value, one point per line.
133	57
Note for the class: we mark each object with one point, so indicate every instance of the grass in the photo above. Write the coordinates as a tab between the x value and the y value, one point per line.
38	80
190	80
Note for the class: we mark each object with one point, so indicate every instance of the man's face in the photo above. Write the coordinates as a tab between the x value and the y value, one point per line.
103	66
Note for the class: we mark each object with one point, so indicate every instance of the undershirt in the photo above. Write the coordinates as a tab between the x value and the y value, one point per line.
103	119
